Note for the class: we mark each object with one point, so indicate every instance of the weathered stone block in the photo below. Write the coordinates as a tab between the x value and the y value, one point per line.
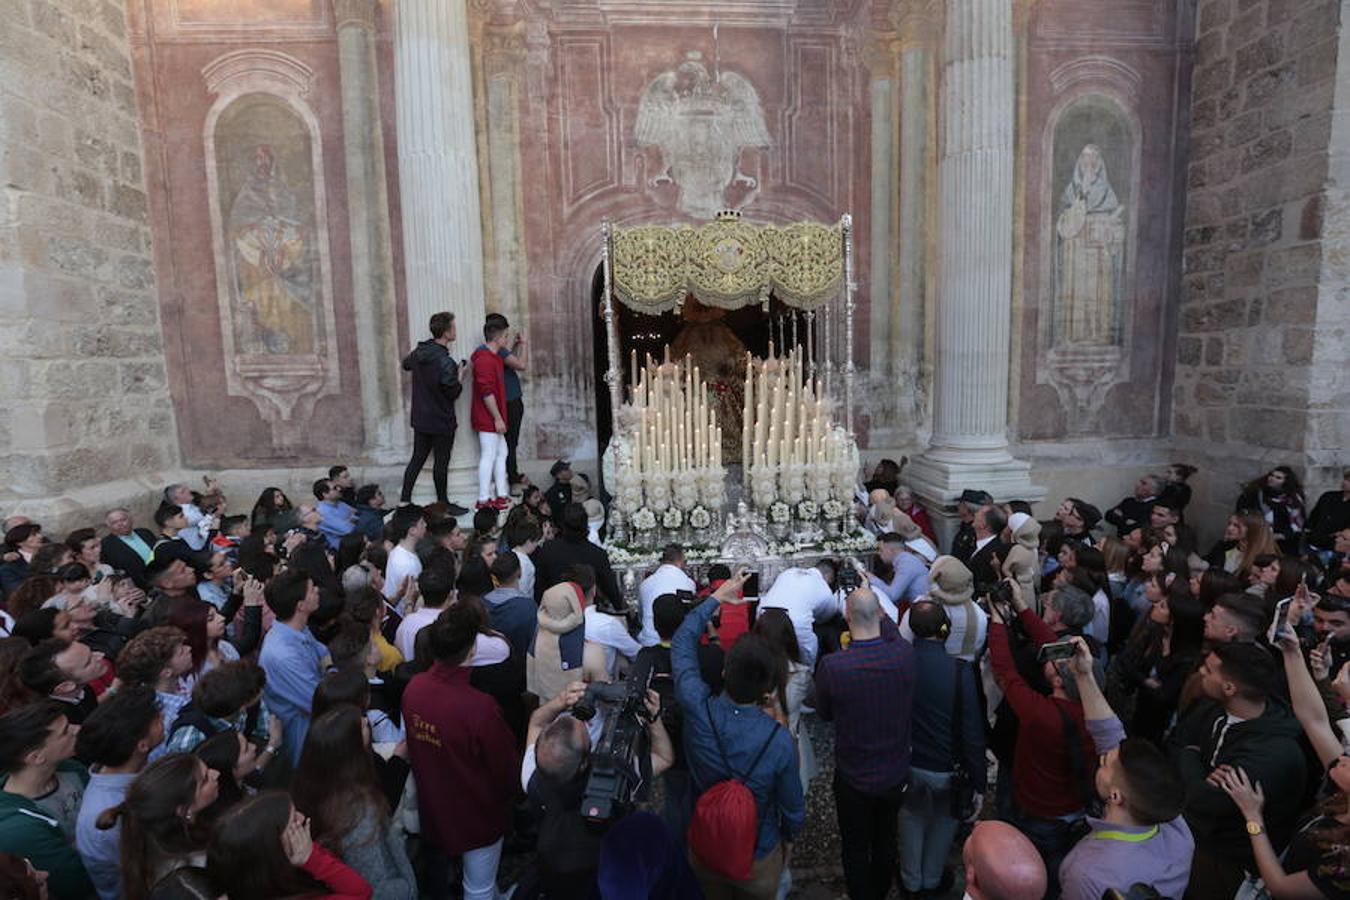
95	152
1318	62
1261	53
1208	393
110	58
1315	22
134	272
1279	428
86	188
1213	13
1188	351
1292	306
142	378
51	21
1293	265
1310	219
1254	310
1212	79
1266	227
128	202
1204	114
1199	236
131	168
1264	87
1216	425
1203	259
121	307
1215	316
1298	346
1267	151
1243	270
1246	127
75	257
1246	27
1214	351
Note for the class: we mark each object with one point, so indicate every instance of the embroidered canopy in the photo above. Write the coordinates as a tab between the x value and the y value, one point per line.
728	263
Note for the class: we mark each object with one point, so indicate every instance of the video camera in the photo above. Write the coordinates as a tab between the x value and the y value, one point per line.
998	593
620	758
848	575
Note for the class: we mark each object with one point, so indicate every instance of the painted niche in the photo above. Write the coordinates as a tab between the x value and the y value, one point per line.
1092	177
269	223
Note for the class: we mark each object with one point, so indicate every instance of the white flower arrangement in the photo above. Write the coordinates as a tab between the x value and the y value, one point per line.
644	519
833	509
779	512
673	517
808	511
699	517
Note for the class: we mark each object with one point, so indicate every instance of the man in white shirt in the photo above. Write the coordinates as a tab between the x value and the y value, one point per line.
437	588
407	527
607	633
668	578
951	584
806	595
524	538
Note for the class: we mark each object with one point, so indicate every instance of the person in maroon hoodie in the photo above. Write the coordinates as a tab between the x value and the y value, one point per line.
463	757
1053	762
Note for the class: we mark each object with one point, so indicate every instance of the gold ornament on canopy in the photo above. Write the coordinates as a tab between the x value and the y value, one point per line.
727	263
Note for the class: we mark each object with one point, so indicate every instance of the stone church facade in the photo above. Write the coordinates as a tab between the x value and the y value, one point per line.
1091	237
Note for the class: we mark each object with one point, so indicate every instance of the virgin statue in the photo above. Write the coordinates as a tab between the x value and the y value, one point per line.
274	279
1089	254
720	357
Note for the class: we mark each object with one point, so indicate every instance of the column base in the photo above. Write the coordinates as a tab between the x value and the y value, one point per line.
940	475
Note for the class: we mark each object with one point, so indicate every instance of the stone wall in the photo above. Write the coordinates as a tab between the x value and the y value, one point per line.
1254	299
83	398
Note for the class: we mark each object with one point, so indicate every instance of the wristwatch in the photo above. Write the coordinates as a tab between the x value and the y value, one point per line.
1254	828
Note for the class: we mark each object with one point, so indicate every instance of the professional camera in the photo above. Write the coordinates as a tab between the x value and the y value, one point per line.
999	593
848	575
622	747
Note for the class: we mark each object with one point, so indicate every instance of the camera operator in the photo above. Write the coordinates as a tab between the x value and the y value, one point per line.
555	773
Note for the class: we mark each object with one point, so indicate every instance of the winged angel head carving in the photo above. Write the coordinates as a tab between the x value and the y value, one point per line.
700	123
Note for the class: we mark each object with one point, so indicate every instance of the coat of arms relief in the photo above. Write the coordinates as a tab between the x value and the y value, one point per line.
700	123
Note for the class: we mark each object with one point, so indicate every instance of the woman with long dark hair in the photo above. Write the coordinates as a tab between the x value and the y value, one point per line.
794	681
273	509
234	759
205	629
262	850
160	828
1162	654
337	787
1277	497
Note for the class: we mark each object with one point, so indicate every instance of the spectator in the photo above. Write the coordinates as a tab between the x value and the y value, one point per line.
668	578
1001	864
488	416
510	608
436	586
949	583
336	786
19	880
948	735
669	612
62	671
205	629
1078	518
1136	510
40	795
127	548
341	476
1051	760
292	657
1141	835
559	494
1330	515
560	640
512	353
116	742
1153	667
990	550
1176	491
1236	725
263	848
555	772
407	527
1022	561
1331	620
370	511
21	542
570	547
336	518
916	539
867	690
523	537
908	506
228	698
805	592
730	737
437	381
607	641
642	857
963	543
234	759
463	758
1235	618
1277	497
273	510
909	574
159	658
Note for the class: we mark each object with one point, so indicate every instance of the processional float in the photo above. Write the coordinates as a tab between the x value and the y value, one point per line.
799	461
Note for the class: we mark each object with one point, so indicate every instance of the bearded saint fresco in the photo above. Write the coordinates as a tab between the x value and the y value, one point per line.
1089	254
268	232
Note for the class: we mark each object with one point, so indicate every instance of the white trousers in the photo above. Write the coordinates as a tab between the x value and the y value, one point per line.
480	867
492	463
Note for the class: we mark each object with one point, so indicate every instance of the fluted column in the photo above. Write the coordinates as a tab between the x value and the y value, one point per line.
368	215
969	447
438	185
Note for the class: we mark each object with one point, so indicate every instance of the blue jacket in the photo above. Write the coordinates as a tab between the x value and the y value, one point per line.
513	614
934	704
744	729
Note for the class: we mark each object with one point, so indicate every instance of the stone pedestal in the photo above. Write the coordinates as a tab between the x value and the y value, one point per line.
969	446
438	182
382	415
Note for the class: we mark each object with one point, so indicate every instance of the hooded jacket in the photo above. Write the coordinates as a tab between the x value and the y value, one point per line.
1266	747
560	614
28	830
435	387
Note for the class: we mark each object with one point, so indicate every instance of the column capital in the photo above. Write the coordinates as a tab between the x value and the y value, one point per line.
360	13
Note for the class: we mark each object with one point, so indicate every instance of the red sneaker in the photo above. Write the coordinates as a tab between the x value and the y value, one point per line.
485	504
500	503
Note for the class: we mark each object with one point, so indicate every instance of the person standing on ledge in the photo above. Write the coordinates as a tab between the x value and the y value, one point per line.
513	361
487	414
437	381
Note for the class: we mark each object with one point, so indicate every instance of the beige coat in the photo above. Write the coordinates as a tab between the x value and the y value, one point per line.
559	612
1023	561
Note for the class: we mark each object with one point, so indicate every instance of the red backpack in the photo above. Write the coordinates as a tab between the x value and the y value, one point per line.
725	826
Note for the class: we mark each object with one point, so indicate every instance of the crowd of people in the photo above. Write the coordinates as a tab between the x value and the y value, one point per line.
335	698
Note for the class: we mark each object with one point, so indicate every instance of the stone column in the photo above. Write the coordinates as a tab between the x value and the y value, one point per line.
438	183
969	446
372	250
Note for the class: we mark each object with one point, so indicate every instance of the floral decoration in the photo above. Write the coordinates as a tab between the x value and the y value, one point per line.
779	512
699	517
808	511
644	519
673	517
